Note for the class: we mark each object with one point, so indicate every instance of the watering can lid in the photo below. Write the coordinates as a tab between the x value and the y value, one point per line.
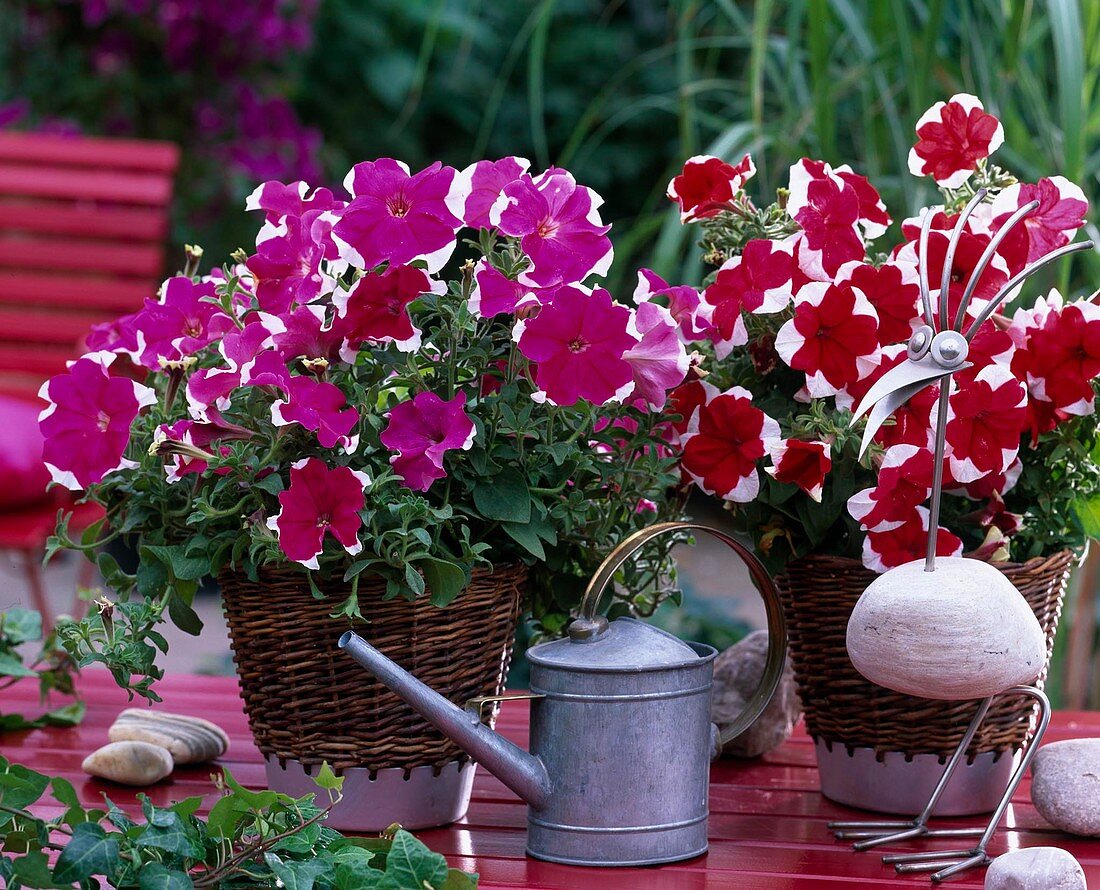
625	644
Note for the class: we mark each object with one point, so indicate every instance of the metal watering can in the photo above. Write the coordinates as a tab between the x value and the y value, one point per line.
621	736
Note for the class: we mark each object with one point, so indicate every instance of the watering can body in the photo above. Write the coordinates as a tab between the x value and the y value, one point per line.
621	735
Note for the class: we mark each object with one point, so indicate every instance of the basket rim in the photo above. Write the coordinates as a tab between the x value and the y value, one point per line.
1006	564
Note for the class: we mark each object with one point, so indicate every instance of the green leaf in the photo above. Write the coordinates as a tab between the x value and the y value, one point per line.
459	880
67	715
33	870
183	616
12	666
184	567
411	864
21	625
414	579
90	851
505	497
171	836
299	874
327	779
20	787
526	536
1087	511
445	580
154	876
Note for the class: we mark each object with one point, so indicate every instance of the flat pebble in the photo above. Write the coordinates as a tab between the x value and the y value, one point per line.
1065	785
129	763
1036	868
188	739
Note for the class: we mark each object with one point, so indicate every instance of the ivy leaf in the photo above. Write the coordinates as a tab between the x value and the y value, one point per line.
12	666
33	870
505	497
327	779
445	580
67	715
411	864
154	876
90	851
300	874
172	836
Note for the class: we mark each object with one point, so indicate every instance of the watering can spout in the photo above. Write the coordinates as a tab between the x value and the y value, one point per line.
524	773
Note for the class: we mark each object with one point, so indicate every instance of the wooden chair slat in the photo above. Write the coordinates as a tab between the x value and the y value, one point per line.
34	358
125	260
43	181
86	220
37	326
110	296
133	154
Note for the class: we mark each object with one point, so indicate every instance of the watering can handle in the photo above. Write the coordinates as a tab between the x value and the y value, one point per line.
589	624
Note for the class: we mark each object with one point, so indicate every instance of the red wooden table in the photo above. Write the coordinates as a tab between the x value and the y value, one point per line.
767	823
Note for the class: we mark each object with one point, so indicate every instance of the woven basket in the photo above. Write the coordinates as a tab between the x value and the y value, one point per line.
308	701
819	593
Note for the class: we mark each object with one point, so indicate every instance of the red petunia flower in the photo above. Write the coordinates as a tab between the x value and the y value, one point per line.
86	424
376	308
578	342
1061	212
725	438
952	137
759	280
707	185
904	482
984	423
893	289
319	502
906	542
805	464
422	430
833	337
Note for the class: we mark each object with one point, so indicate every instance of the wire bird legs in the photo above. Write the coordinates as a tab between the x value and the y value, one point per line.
937	349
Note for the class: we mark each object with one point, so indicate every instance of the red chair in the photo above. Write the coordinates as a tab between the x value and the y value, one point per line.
82	229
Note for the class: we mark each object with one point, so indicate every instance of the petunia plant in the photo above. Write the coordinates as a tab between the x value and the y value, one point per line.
811	302
410	383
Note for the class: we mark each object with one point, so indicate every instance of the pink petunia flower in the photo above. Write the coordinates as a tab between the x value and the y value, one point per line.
278	199
396	217
707	185
422	430
86	424
904	482
952	137
659	360
692	315
305	333
287	266
833	337
486	180
1061	212
559	227
725	438
249	360
376	308
494	293
179	323
320	407
984	423
893	289
319	501
801	463
906	542
578	342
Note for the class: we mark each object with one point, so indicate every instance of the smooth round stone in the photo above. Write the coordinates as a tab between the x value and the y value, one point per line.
129	763
1036	868
737	674
188	739
1065	785
960	632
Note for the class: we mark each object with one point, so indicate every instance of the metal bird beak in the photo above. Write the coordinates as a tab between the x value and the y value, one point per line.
896	387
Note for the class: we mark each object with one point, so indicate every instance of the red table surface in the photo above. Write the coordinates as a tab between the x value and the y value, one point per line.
767	822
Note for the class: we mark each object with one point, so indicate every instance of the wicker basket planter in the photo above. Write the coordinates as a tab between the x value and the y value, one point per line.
883	750
307	702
